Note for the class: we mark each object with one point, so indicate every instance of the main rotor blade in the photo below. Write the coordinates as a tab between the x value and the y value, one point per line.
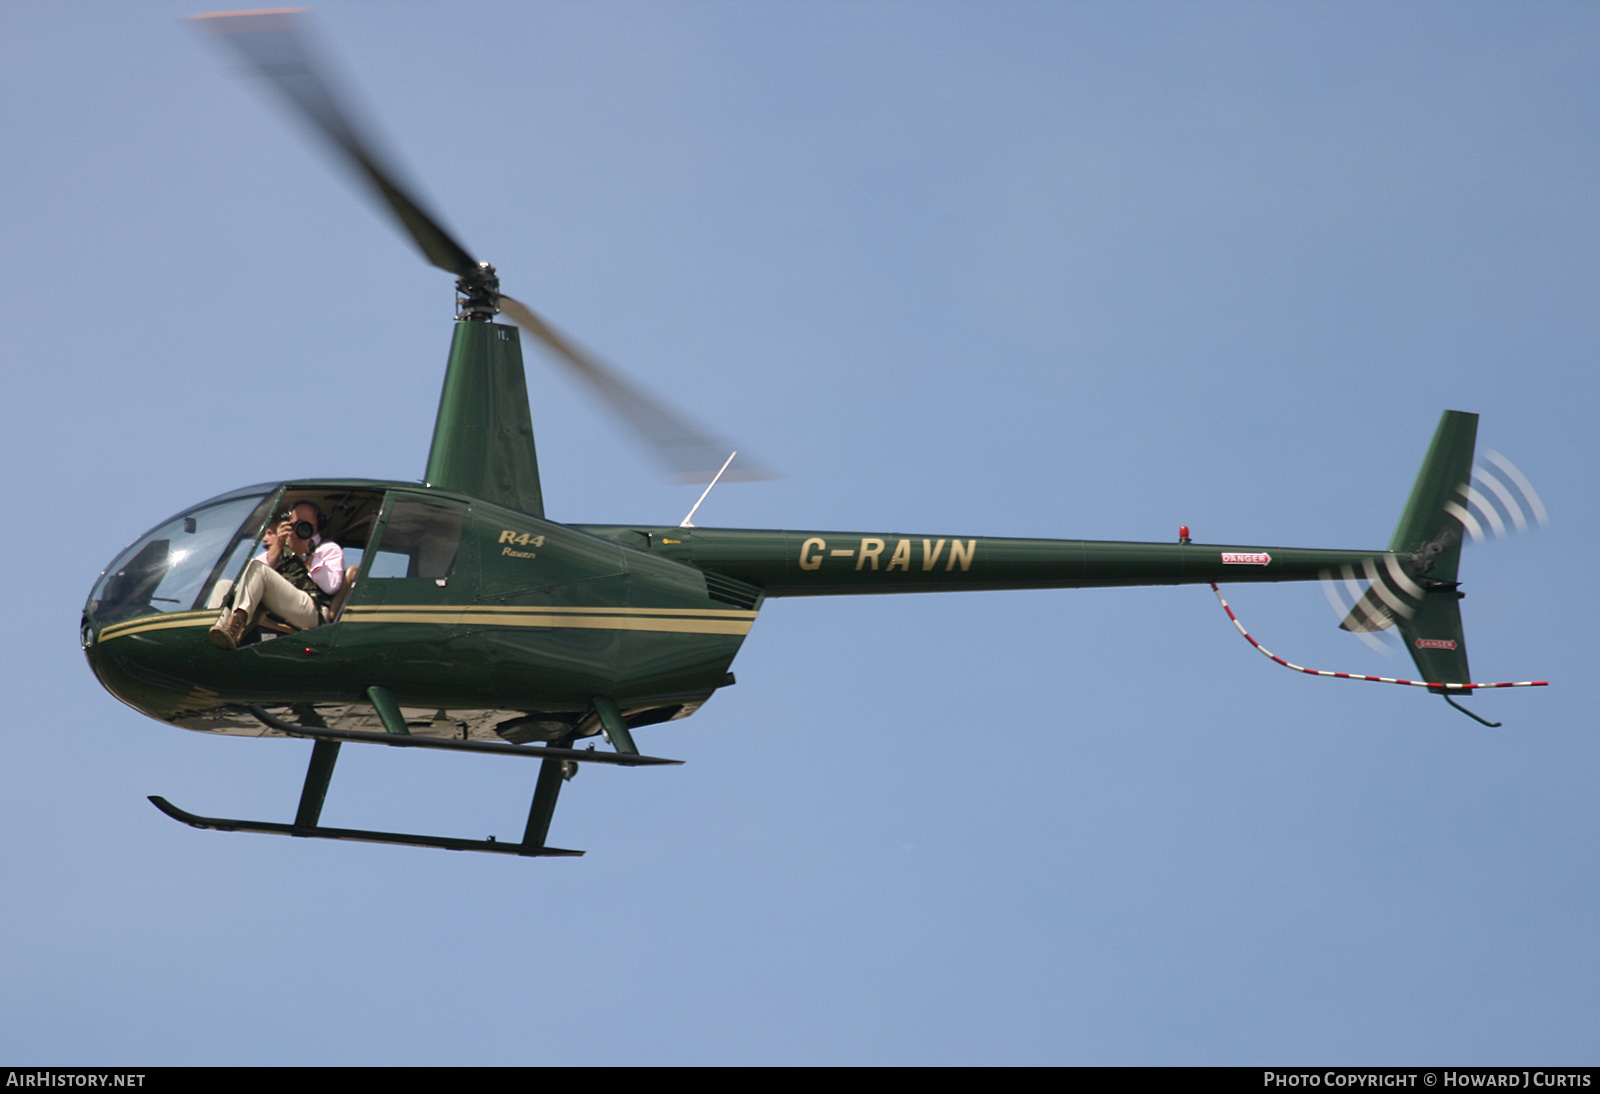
689	454
273	43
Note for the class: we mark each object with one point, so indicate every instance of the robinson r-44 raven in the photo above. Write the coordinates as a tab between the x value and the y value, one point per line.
469	621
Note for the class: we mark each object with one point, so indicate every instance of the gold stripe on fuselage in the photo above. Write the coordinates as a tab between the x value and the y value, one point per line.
673	620
708	613
157	623
719	623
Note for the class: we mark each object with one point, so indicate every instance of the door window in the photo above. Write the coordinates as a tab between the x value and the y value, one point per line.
419	539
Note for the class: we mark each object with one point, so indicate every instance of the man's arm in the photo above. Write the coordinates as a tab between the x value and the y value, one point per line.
326	567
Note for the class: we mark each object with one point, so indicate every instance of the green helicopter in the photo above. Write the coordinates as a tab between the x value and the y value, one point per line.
466	620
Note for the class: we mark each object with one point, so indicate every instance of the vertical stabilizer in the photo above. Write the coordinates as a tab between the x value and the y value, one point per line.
1428	540
1429	526
483	437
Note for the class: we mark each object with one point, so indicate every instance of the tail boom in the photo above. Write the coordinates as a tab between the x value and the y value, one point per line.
798	563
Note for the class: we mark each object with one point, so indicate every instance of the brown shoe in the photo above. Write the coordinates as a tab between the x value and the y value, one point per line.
227	636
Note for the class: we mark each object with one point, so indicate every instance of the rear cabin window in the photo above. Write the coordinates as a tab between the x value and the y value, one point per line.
419	539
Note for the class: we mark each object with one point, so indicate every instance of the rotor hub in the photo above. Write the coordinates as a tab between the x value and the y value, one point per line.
478	295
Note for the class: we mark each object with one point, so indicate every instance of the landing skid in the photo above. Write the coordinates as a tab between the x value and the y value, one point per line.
558	763
448	843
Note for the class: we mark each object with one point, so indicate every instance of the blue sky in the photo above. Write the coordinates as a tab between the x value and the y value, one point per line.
1079	270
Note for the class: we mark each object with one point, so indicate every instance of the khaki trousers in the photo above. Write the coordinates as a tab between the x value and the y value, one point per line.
262	587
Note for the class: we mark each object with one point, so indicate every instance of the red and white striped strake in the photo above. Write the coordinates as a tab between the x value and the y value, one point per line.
1358	676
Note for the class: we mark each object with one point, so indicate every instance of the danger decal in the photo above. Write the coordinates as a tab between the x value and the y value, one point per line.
1245	558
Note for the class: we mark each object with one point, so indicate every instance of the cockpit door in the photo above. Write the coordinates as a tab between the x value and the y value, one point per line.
415	553
405	611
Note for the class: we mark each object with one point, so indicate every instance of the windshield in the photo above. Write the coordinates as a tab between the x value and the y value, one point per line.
173	568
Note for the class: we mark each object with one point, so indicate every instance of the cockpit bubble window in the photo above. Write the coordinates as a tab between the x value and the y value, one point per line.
172	568
419	539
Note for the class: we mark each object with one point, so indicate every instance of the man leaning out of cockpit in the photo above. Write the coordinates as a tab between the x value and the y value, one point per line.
295	579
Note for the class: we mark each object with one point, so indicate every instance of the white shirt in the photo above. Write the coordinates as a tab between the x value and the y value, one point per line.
325	564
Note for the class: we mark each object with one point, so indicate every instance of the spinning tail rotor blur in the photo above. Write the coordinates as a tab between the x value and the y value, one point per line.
1502	502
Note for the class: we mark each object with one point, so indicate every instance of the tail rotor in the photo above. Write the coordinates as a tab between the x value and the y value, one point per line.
1515	503
1503	502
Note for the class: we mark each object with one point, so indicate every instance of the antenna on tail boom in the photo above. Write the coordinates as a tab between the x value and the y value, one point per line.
707	490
